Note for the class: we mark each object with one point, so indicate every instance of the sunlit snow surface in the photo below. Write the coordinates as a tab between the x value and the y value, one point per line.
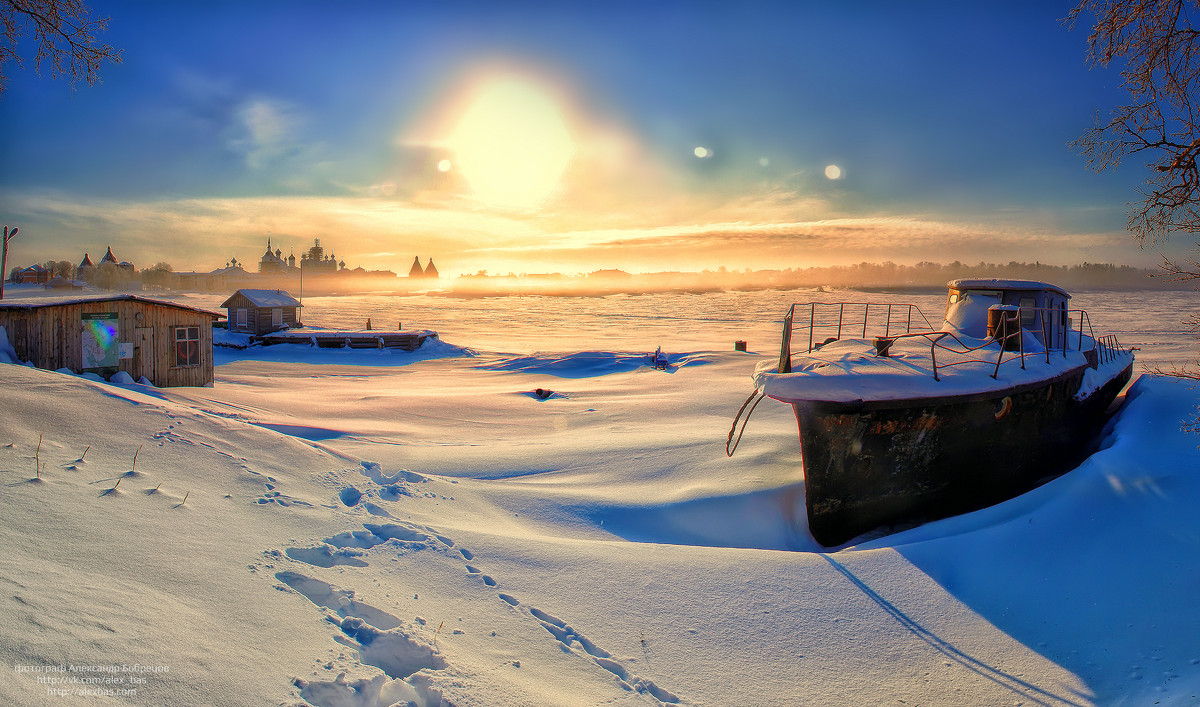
373	527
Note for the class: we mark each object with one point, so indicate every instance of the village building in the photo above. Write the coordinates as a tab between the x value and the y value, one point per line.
417	271
314	261
86	270
275	264
61	283
166	343
262	311
35	274
111	259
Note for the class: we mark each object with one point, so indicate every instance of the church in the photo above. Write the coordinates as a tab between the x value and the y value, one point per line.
275	264
417	271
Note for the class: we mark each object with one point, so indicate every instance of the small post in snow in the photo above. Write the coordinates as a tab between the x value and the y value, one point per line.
8	235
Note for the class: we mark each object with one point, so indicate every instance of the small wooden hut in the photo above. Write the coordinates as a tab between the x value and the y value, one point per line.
262	311
169	344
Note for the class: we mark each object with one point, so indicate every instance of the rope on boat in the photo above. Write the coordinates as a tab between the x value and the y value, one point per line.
729	450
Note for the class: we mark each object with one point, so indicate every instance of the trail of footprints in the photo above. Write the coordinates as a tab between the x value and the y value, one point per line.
388	643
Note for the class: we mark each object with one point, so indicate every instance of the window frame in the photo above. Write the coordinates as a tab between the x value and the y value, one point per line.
189	356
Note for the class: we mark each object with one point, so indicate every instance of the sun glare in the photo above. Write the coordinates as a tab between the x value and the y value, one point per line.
512	144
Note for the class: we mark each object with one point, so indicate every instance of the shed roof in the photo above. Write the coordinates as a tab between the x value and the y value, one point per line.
265	298
56	302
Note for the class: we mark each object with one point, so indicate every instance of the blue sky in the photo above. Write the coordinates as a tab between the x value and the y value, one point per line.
693	135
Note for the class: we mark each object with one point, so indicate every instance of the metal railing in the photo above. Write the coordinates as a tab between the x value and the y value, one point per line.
821	319
1010	329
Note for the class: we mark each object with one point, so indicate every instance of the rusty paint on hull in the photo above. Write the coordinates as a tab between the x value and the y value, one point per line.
873	465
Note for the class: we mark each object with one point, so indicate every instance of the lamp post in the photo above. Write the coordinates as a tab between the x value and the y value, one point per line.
4	258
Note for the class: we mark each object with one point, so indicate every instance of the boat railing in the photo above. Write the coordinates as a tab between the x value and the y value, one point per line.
1007	334
830	321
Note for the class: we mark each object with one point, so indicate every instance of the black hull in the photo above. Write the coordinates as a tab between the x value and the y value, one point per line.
888	464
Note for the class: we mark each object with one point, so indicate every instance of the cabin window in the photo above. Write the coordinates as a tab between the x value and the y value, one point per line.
242	318
968	314
277	317
1028	312
187	346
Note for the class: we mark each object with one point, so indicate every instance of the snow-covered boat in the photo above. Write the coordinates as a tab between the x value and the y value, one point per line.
906	422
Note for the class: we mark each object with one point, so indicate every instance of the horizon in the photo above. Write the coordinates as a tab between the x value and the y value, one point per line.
539	138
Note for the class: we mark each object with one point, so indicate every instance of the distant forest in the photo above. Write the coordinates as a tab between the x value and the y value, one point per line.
887	275
926	274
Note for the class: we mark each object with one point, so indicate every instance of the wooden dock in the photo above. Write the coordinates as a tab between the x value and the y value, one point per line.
406	340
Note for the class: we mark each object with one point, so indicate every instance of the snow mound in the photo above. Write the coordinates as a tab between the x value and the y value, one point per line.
588	364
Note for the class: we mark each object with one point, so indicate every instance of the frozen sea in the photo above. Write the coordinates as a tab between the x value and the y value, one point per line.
366	528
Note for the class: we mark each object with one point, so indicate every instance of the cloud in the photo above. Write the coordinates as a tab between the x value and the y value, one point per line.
386	233
263	131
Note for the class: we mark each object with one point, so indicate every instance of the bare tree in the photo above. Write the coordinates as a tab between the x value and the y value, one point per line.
1160	51
65	34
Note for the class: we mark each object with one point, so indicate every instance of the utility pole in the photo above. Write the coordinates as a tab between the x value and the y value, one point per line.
4	258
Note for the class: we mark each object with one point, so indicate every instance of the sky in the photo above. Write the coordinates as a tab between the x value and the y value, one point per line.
570	137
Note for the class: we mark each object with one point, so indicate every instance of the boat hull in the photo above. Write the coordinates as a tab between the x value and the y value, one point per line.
892	464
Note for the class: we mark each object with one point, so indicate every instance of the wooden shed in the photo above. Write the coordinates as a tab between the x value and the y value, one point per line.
262	311
169	344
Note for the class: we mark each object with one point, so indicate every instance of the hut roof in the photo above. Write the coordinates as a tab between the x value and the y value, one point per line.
86	262
61	282
56	302
431	271
416	270
265	298
109	257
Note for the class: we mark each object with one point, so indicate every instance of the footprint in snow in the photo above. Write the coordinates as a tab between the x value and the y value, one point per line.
381	639
575	643
272	495
326	556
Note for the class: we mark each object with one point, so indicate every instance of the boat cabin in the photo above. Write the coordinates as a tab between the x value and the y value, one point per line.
974	308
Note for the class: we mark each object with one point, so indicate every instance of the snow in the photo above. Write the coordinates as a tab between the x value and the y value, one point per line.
1004	284
848	370
266	298
364	527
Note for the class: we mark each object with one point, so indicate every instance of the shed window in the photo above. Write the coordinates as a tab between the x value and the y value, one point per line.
187	346
277	317
241	318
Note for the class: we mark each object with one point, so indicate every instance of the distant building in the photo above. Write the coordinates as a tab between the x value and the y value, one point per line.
275	263
62	283
314	260
262	311
111	259
34	274
417	271
86	270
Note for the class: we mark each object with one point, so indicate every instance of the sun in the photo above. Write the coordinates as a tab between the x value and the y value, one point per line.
511	144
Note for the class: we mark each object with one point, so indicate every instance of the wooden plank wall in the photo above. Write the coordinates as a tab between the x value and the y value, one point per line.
259	319
52	338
